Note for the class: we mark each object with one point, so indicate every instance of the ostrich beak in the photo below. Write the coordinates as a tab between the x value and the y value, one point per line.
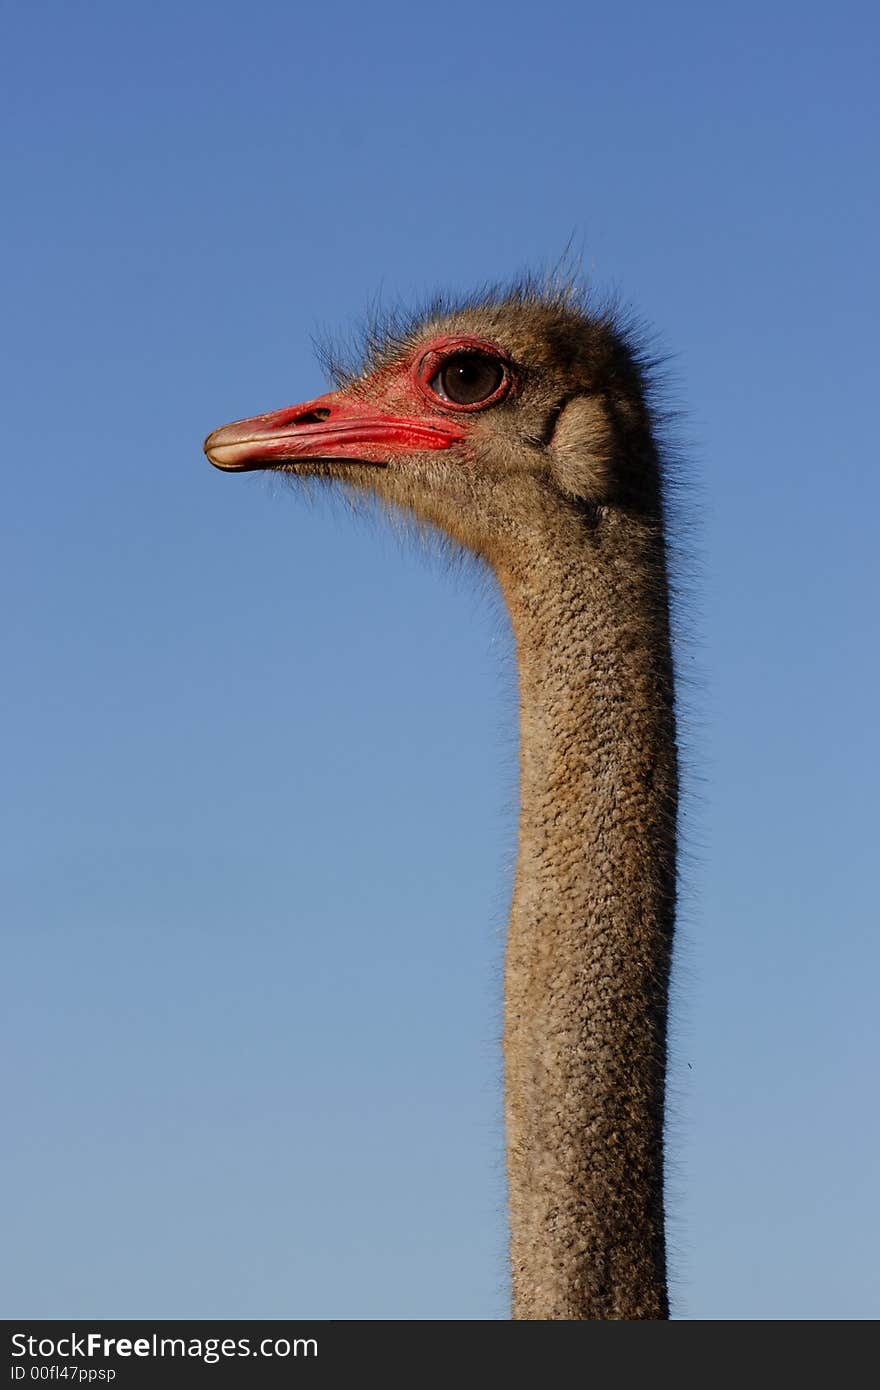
334	426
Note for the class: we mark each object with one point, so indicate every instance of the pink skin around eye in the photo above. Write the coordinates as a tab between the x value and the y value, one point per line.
432	358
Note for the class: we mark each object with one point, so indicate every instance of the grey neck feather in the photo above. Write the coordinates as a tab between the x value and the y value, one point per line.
592	919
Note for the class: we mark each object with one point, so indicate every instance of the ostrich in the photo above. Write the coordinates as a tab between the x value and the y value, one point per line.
519	424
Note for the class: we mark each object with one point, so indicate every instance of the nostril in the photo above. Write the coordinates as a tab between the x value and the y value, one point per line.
311	417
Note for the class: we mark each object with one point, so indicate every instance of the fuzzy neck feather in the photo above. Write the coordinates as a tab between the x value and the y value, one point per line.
592	918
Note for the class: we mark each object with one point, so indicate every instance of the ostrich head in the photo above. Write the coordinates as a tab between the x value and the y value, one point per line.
485	421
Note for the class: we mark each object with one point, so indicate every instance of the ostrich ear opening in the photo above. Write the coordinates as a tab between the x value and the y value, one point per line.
581	449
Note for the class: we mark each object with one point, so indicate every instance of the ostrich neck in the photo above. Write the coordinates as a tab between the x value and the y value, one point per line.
591	921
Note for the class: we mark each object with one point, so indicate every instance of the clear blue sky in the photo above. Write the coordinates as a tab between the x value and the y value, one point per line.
260	758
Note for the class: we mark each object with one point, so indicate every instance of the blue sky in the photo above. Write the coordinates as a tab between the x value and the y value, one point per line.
260	757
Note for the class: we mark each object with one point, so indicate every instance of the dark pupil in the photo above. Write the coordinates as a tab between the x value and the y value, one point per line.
469	377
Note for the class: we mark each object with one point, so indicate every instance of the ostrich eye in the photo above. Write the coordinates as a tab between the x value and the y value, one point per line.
467	378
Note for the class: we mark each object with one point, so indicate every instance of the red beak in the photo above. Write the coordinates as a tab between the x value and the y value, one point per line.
335	426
